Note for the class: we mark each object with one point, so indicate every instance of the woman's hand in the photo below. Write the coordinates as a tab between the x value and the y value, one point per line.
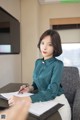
25	88
14	100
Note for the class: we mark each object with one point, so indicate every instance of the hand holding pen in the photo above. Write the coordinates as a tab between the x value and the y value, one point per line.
24	88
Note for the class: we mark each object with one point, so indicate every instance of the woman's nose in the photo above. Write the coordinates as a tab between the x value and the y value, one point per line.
45	47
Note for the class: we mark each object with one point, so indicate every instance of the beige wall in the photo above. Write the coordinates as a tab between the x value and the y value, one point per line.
60	11
29	37
12	6
57	11
10	65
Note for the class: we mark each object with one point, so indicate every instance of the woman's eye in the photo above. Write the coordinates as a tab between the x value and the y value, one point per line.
50	44
42	43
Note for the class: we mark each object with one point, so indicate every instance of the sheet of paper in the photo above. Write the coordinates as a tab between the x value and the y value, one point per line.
39	108
8	95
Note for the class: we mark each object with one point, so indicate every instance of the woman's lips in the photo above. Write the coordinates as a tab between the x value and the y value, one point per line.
44	52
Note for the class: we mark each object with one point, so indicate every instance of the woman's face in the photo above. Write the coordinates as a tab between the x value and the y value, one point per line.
46	47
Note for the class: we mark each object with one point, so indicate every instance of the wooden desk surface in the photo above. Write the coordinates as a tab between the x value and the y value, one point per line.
11	87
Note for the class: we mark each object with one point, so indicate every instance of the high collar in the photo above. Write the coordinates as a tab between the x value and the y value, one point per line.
48	61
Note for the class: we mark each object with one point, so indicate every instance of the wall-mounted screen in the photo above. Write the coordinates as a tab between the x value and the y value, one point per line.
9	33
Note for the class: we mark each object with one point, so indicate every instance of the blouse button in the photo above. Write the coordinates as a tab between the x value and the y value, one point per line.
43	62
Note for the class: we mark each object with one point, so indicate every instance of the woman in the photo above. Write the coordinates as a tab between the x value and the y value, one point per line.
47	75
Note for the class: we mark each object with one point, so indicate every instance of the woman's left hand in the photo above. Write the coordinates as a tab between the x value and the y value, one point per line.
14	100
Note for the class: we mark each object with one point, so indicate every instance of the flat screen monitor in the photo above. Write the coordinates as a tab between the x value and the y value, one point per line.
9	33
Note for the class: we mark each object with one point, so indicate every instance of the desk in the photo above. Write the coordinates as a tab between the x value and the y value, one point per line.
12	87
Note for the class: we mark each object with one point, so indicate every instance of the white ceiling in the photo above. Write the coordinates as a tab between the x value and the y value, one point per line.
56	1
48	1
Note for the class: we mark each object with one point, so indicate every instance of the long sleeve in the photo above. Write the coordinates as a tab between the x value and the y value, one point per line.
34	85
48	83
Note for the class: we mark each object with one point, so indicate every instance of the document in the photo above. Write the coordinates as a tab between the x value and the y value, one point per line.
37	108
40	108
8	95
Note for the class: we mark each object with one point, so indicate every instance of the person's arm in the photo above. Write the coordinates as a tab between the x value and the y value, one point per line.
17	112
52	90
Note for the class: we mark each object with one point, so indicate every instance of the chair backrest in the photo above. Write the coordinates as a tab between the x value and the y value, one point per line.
70	82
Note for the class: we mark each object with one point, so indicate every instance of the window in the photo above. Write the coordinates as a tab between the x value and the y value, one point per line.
71	54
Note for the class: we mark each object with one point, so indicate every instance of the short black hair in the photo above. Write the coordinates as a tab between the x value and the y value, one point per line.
55	39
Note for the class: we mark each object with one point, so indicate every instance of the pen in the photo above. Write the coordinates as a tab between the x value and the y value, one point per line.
20	91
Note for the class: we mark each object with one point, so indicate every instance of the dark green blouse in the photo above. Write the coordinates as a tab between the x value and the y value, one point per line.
47	79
